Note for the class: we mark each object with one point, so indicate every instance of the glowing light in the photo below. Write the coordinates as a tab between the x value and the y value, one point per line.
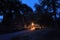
33	28
32	24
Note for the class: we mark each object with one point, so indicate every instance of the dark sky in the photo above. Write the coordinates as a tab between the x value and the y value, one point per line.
30	3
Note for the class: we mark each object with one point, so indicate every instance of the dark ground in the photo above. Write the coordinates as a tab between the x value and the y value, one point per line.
46	34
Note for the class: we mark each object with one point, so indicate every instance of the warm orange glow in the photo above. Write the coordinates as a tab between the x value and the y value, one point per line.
33	26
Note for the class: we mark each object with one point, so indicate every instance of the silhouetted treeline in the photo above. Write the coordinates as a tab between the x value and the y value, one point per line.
48	13
16	15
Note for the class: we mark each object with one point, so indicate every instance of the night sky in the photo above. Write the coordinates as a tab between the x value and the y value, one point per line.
39	33
30	3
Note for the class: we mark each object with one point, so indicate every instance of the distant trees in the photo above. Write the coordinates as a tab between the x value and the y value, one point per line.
52	5
27	13
47	10
15	15
9	8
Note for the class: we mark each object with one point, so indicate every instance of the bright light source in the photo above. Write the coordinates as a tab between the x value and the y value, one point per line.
32	24
33	28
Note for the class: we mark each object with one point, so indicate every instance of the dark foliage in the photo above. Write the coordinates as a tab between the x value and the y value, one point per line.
16	15
46	11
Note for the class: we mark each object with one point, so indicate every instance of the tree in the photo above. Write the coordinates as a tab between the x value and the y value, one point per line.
15	15
52	5
46	10
27	13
